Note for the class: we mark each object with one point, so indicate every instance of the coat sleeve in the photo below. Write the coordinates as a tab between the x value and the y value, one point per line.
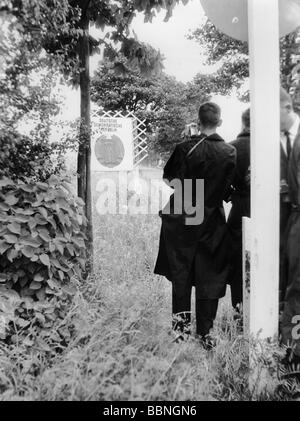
174	165
231	165
295	164
294	173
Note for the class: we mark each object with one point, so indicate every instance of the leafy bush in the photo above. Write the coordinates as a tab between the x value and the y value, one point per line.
41	239
22	157
40	323
42	246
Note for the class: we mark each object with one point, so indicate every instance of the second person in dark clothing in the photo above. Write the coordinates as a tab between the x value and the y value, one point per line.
240	207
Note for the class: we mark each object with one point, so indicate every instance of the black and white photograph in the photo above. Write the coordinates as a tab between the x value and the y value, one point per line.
149	203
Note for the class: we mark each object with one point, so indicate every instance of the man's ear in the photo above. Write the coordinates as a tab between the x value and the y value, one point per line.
220	123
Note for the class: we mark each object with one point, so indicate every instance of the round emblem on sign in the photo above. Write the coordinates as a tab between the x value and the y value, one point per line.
231	16
109	150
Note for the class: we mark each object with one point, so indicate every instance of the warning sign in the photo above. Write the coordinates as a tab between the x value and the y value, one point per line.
112	148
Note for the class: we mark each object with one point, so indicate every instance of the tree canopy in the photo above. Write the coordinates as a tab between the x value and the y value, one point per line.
233	59
230	54
59	30
165	104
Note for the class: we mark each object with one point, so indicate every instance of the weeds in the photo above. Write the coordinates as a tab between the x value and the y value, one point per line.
122	346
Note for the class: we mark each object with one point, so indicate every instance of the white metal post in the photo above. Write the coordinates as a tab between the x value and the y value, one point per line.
246	224
263	19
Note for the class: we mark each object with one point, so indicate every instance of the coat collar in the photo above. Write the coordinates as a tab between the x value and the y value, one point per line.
215	137
244	133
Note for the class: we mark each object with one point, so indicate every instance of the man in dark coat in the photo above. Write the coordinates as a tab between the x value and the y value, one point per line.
197	254
240	199
290	324
289	125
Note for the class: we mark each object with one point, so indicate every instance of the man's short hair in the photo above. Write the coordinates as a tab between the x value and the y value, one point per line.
246	118
285	97
209	114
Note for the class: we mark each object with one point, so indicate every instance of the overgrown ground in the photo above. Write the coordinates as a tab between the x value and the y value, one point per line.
122	347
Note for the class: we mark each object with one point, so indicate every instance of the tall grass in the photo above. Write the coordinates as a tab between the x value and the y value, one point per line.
122	346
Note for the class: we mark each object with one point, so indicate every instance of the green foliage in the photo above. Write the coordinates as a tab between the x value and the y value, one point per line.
129	91
165	104
179	108
290	65
289	59
118	16
23	100
232	57
36	324
23	158
41	24
58	28
122	346
28	105
217	45
42	244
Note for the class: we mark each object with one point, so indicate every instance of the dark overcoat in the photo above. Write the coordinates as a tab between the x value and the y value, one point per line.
198	249
285	211
240	207
290	327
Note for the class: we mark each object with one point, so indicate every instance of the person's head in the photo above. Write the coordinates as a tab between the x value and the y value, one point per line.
209	117
287	115
246	120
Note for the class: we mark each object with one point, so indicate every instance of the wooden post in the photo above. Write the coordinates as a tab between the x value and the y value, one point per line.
263	19
84	152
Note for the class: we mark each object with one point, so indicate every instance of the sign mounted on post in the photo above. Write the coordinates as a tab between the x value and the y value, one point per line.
119	142
112	146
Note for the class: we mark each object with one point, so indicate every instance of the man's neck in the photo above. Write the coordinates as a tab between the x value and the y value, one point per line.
209	132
